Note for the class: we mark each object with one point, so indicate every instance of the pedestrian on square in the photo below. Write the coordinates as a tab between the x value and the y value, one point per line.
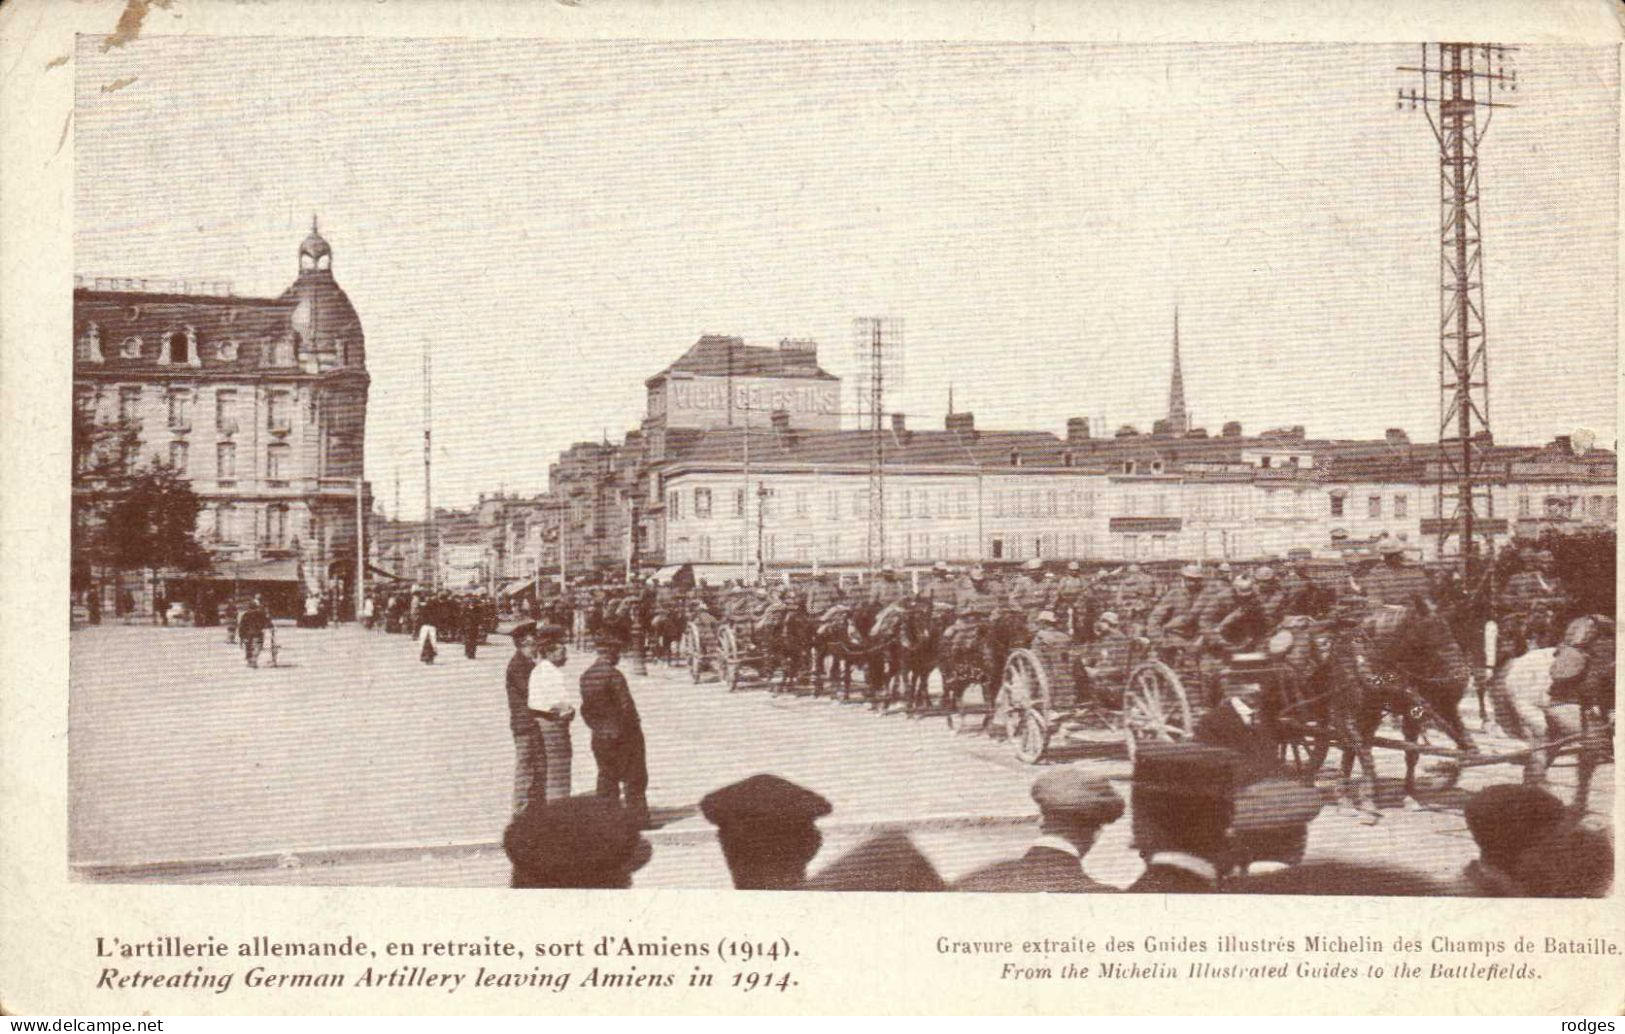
766	829
228	617
530	771
617	732
552	701
470	619
251	629
428	630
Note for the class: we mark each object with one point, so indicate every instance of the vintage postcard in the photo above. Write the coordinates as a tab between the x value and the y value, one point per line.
1134	505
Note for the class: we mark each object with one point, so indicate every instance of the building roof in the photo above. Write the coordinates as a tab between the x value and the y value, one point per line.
1332	460
119	318
717	355
987	449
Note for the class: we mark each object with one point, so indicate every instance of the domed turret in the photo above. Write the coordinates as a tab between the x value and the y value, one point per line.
314	251
324	321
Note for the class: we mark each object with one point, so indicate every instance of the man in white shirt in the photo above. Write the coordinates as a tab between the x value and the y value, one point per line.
553	700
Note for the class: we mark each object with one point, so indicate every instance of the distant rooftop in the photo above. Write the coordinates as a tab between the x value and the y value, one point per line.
153	285
718	355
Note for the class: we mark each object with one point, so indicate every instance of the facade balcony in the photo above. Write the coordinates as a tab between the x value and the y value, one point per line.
226	428
280	427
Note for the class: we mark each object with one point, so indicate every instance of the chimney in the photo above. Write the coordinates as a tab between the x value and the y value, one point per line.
962	422
1396	437
897	423
1162	427
1077	429
1232	429
780	419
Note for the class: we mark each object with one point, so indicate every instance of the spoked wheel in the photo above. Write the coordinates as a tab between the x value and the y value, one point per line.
693	653
1155	708
1032	735
728	652
1018	710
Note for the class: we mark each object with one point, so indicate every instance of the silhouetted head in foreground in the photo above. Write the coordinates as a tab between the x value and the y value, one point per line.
584	842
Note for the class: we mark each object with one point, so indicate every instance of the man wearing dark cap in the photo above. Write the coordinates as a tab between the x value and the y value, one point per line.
1182	800
1505	820
617	732
529	774
765	826
1072	807
579	842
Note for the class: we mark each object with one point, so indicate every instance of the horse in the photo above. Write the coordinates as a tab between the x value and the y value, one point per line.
1354	671
917	651
1556	694
666	630
784	643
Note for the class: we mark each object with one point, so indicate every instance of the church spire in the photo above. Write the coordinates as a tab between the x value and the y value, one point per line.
1178	420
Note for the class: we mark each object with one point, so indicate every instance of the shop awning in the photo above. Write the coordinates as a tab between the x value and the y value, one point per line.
679	575
517	587
257	571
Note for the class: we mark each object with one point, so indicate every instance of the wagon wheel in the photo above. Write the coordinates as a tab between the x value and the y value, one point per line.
693	652
728	653
1032	735
1024	685
1155	708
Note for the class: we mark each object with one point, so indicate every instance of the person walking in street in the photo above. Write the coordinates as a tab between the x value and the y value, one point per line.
553	702
529	774
251	629
617	732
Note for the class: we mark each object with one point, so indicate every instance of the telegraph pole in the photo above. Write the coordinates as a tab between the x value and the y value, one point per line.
1457	82
431	559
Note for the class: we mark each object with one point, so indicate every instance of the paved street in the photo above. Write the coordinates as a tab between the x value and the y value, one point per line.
351	763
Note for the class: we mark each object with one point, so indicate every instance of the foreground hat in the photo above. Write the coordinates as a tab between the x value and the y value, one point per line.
587	834
1275	804
1195	769
763	800
886	862
1072	794
550	634
1510	816
940	565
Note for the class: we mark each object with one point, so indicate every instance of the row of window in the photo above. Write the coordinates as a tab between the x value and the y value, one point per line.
180	348
279	408
1077	502
278	460
228	524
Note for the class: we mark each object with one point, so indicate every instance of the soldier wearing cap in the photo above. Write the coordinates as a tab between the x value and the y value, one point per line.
1531	607
1505	820
1072	808
1302	593
1175	612
579	842
822	594
1270	830
766	827
1136	593
1182	802
1030	595
617	732
1048	633
1393	581
1271	600
1070	588
943	589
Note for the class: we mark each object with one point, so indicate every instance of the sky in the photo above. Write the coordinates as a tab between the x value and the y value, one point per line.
556	222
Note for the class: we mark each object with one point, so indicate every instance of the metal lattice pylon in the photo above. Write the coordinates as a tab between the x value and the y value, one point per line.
1457	80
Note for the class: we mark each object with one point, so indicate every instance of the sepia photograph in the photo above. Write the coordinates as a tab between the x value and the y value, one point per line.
1006	467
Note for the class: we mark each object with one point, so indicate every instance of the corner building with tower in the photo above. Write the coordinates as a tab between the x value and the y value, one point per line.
260	403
